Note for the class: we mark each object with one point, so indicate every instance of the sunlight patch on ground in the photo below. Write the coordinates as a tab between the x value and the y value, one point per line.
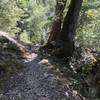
31	57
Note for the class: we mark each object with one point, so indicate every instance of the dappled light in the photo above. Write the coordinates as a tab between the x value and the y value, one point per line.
49	50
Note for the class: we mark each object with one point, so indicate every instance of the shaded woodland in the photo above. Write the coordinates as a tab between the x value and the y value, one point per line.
64	34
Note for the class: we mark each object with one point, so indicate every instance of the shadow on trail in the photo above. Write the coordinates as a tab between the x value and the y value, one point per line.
30	76
39	80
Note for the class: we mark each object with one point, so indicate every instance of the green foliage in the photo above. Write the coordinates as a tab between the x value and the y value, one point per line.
36	19
9	15
89	25
30	16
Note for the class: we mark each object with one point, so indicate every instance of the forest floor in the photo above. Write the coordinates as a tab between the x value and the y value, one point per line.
37	82
26	74
37	79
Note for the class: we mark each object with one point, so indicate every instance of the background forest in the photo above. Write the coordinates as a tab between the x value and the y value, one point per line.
30	20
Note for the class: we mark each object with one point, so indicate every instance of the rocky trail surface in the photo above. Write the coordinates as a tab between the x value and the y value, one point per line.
35	81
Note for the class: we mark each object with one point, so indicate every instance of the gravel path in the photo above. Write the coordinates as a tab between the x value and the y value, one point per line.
37	82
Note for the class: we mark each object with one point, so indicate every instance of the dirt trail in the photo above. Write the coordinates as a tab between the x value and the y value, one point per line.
36	82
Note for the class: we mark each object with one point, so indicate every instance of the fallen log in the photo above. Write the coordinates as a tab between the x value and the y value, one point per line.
13	41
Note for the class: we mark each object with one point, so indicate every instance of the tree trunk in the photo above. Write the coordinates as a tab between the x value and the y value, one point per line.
70	21
66	37
56	27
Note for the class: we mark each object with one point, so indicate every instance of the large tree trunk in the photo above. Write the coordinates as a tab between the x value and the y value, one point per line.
68	31
56	26
66	36
70	21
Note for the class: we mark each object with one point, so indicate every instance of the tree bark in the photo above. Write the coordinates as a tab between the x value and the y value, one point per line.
70	21
66	36
56	26
63	39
